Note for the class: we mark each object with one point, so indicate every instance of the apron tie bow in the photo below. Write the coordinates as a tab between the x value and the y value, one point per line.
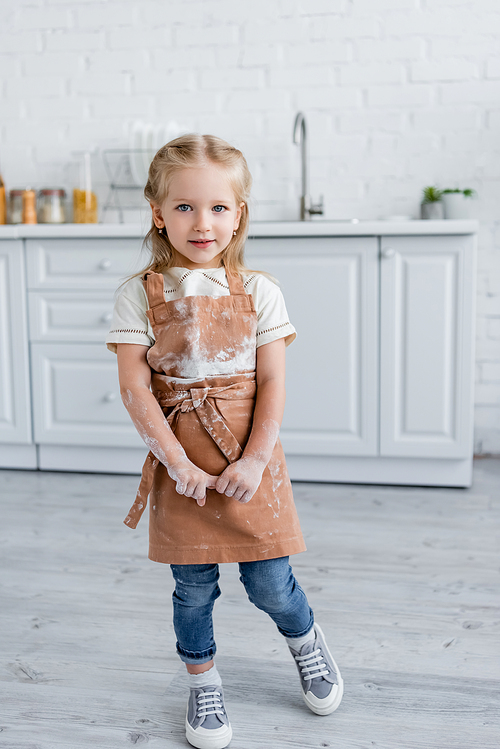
195	397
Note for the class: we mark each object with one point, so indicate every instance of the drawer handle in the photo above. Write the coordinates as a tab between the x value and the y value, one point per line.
107	317
105	264
389	252
109	397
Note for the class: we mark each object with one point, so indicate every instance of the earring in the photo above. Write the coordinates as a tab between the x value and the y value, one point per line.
160	229
234	233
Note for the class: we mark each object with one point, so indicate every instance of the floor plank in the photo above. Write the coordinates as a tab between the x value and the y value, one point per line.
405	582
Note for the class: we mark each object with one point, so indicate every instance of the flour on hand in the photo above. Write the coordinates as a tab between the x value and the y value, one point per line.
191	481
241	479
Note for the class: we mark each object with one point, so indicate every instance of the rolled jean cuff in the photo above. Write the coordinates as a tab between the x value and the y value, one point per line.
193	657
298	634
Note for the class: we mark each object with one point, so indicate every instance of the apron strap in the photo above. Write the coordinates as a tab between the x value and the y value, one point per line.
235	284
153	284
143	492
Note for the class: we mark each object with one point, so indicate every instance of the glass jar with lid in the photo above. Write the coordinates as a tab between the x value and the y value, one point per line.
52	206
15	208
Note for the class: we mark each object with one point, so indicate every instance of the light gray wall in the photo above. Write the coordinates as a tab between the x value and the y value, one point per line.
399	94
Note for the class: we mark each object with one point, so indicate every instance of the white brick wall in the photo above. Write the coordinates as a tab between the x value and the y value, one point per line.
398	94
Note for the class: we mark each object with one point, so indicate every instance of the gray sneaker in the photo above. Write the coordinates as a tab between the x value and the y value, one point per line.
322	685
207	724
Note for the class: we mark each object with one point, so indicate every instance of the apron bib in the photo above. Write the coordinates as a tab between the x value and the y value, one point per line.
211	416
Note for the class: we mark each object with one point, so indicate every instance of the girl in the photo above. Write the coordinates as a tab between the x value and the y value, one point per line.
201	358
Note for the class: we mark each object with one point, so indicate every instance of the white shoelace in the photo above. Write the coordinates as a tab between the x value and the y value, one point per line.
209	703
312	662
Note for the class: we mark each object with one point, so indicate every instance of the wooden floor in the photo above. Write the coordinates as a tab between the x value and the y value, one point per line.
404	582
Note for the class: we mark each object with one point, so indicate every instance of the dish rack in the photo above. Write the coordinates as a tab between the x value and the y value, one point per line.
122	185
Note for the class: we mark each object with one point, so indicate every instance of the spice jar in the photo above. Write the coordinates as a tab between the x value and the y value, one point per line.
29	206
15	210
51	206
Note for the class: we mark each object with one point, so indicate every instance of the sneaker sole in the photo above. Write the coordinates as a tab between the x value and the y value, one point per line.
326	709
220	740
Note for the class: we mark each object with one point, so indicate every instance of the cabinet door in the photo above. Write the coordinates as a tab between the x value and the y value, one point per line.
330	287
76	397
427	346
15	412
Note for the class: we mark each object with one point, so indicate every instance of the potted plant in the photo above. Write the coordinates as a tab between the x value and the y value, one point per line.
458	203
431	206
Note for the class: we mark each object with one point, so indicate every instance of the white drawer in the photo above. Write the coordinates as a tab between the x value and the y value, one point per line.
73	317
76	397
81	263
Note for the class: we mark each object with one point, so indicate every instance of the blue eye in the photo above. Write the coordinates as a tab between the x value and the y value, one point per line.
219	208
183	207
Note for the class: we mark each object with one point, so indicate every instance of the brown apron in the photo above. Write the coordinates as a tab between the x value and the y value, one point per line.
212	418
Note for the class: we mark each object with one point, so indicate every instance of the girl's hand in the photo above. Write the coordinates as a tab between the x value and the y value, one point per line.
191	481
241	480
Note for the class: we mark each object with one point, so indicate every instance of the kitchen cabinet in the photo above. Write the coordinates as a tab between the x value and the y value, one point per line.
379	380
77	410
17	449
382	368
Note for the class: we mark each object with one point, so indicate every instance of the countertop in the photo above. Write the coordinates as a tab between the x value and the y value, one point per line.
257	229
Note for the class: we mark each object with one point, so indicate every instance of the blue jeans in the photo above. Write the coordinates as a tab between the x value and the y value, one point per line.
270	585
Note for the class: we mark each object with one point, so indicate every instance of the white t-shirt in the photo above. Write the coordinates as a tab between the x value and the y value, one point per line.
131	325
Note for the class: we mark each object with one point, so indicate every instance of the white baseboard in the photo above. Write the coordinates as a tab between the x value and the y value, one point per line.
91	459
18	456
378	470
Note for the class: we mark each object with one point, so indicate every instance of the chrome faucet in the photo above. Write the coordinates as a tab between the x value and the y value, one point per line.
307	208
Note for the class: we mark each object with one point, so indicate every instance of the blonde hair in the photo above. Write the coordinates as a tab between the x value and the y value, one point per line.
190	151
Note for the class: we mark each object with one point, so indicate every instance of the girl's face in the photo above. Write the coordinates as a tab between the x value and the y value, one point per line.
200	214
